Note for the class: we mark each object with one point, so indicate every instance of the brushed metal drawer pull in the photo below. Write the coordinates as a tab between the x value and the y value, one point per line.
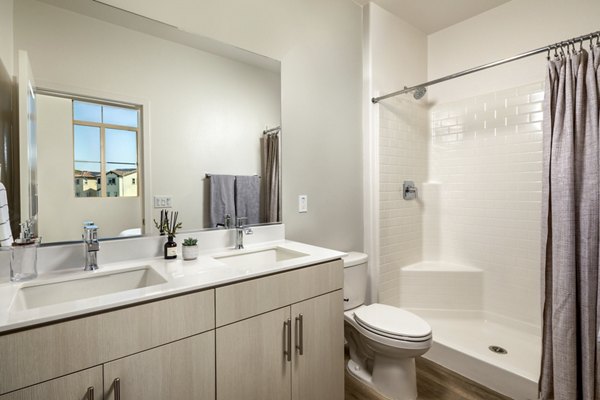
300	334
117	388
287	347
90	393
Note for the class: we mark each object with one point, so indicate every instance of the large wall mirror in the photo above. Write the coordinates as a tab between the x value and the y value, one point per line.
133	116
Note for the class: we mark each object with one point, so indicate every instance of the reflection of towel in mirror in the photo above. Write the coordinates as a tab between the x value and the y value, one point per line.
6	238
247	198
222	200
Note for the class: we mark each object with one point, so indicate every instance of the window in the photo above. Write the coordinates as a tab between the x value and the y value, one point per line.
105	139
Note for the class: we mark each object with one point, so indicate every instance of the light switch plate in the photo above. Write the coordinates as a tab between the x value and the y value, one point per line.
163	201
302	203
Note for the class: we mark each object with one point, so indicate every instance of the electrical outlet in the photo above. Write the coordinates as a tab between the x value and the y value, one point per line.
163	201
303	203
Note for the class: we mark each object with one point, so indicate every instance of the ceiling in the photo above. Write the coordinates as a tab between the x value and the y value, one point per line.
433	15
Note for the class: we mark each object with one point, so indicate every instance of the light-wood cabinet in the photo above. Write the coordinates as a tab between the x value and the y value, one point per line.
294	353
274	337
181	370
86	385
318	363
250	358
38	354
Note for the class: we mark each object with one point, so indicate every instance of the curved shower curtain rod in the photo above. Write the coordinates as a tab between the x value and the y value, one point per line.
555	46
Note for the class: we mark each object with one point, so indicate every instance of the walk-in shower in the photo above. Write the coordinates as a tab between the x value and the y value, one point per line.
465	254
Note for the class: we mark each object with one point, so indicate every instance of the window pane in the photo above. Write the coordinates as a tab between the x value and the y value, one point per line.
121	180
120	116
86	179
121	147
87	111
86	143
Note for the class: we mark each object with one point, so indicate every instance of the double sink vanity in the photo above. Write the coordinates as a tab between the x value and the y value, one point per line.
265	322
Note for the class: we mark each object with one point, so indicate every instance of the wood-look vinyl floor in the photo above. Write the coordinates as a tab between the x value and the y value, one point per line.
434	382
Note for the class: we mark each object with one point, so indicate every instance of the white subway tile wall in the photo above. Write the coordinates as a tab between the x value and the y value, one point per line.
402	156
479	172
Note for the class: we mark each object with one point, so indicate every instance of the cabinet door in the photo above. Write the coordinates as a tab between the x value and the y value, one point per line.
319	333
251	363
83	385
180	370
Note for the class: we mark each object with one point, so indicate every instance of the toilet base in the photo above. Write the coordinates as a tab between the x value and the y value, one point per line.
394	378
358	372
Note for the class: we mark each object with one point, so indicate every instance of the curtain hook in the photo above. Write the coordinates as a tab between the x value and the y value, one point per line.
591	42
548	55
556	52
581	45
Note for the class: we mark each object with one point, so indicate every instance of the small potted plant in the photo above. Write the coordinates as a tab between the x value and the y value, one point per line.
190	249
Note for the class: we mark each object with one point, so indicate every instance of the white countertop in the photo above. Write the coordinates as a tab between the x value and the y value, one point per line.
181	276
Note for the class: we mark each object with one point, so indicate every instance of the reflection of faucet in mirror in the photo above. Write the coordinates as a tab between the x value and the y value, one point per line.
90	240
240	231
227	223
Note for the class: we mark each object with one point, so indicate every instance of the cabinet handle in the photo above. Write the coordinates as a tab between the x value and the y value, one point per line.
117	388
300	334
90	393
287	347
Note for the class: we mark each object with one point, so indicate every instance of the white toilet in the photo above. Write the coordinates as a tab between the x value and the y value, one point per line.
383	340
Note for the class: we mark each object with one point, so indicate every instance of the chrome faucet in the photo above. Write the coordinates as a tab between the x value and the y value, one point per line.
91	245
240	231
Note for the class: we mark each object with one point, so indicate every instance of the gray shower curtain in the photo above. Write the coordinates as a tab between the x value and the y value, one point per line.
270	191
570	224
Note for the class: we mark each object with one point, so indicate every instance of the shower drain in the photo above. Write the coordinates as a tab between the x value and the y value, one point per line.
498	349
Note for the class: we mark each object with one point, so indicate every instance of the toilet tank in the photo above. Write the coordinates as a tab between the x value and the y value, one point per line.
355	279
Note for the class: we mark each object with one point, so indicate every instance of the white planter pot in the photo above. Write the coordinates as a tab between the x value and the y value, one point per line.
190	252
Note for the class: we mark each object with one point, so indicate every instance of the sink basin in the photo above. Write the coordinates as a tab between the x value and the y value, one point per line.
254	260
86	287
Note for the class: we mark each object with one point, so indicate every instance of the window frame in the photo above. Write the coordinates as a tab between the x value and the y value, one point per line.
103	127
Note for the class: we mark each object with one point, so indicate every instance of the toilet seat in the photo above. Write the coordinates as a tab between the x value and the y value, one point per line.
393	323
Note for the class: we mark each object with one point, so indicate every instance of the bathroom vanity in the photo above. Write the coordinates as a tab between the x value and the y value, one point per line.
261	323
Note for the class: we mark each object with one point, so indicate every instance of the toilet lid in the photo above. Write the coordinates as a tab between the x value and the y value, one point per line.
392	321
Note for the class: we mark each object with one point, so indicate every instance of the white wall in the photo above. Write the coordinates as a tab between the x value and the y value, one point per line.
397	143
319	45
206	113
514	27
61	214
6	34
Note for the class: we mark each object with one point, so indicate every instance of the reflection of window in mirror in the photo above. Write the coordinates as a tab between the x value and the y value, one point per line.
90	165
105	145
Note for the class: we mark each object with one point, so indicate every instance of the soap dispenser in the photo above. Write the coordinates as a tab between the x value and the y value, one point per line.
23	261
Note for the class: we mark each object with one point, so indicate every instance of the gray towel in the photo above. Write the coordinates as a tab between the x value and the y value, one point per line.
222	198
247	198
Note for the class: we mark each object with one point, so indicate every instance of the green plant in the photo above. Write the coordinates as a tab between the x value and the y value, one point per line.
190	242
168	223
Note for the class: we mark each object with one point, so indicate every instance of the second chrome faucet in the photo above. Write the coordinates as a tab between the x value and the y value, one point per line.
240	231
91	245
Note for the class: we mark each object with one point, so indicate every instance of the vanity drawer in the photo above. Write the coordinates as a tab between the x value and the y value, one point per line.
246	299
43	353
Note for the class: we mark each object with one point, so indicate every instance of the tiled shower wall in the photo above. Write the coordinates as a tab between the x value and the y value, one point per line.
486	154
402	156
477	163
